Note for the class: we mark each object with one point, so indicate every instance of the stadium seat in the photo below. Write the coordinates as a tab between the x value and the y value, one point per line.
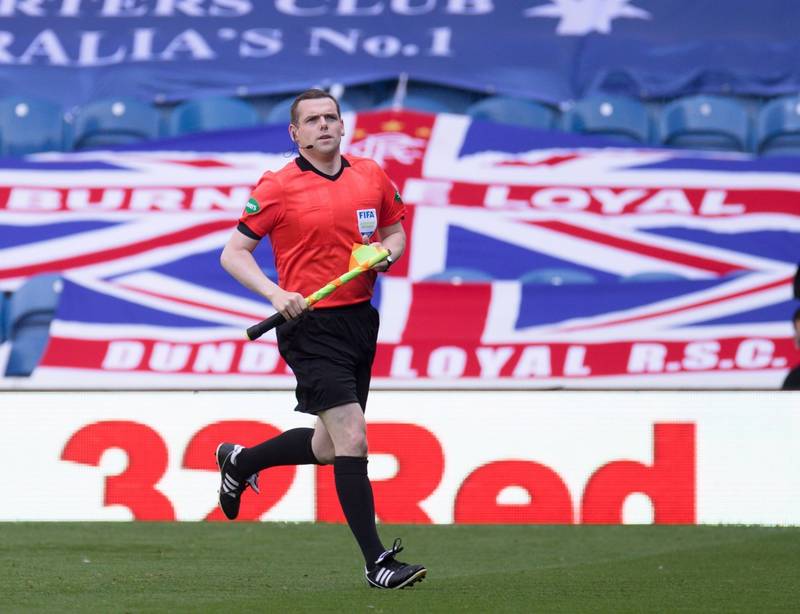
30	311
458	276
115	121
504	110
3	318
557	277
29	125
455	100
617	117
432	99
360	97
217	113
778	127
705	122
647	276
419	103
279	114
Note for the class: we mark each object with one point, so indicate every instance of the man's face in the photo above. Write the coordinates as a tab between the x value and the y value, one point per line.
318	124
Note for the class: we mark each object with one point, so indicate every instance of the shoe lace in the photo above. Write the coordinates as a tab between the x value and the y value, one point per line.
252	482
387	558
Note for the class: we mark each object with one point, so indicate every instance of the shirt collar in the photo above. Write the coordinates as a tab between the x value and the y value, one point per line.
305	165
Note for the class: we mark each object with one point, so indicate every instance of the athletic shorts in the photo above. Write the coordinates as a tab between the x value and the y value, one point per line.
331	353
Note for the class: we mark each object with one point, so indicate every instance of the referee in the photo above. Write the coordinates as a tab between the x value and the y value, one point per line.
315	210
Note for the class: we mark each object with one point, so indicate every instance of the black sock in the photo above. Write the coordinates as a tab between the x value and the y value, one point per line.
355	497
292	447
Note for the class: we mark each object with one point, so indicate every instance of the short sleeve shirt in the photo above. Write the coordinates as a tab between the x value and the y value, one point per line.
313	220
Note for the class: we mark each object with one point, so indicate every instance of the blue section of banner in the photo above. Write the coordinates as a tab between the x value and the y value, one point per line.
775	244
81	304
502	260
541	304
549	50
19	234
777	312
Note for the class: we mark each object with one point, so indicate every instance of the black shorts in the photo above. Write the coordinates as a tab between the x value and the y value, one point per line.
331	353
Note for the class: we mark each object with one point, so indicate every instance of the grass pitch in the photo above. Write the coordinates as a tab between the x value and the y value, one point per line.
270	567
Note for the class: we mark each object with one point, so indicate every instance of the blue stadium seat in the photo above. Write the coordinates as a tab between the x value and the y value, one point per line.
360	97
279	114
29	125
647	276
419	103
414	102
505	110
617	117
31	309
216	113
557	277
433	99
115	121
705	122
458	276
3	316
778	127
454	100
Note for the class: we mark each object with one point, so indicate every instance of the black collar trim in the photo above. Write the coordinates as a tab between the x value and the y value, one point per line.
305	165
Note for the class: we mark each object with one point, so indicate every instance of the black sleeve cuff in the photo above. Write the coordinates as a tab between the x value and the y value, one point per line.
245	230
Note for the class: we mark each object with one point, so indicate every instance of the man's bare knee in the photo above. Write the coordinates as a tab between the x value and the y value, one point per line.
347	429
357	446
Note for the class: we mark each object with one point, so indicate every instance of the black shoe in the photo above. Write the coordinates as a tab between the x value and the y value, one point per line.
388	572
232	484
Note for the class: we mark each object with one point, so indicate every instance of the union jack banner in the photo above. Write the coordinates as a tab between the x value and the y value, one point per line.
535	260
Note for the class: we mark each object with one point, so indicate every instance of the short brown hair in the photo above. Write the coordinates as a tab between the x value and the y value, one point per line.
311	94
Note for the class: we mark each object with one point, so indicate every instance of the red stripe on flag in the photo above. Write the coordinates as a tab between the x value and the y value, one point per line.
645	249
666	312
104	256
191	303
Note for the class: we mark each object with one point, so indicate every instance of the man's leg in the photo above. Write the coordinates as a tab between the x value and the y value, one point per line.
347	430
239	466
321	444
292	447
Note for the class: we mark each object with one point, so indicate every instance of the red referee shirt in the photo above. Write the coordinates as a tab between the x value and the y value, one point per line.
313	219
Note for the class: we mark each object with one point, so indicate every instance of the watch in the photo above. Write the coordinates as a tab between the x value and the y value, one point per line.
389	260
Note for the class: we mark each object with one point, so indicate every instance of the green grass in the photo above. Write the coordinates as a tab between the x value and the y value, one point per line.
270	567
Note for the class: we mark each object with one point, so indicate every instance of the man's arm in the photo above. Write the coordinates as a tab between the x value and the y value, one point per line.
393	238
237	259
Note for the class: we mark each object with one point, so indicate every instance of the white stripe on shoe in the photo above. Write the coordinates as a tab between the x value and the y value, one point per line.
229	484
383	577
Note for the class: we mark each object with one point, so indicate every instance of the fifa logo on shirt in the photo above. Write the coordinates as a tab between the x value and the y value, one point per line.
367	223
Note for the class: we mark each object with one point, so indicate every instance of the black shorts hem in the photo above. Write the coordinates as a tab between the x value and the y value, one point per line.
314	412
331	352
